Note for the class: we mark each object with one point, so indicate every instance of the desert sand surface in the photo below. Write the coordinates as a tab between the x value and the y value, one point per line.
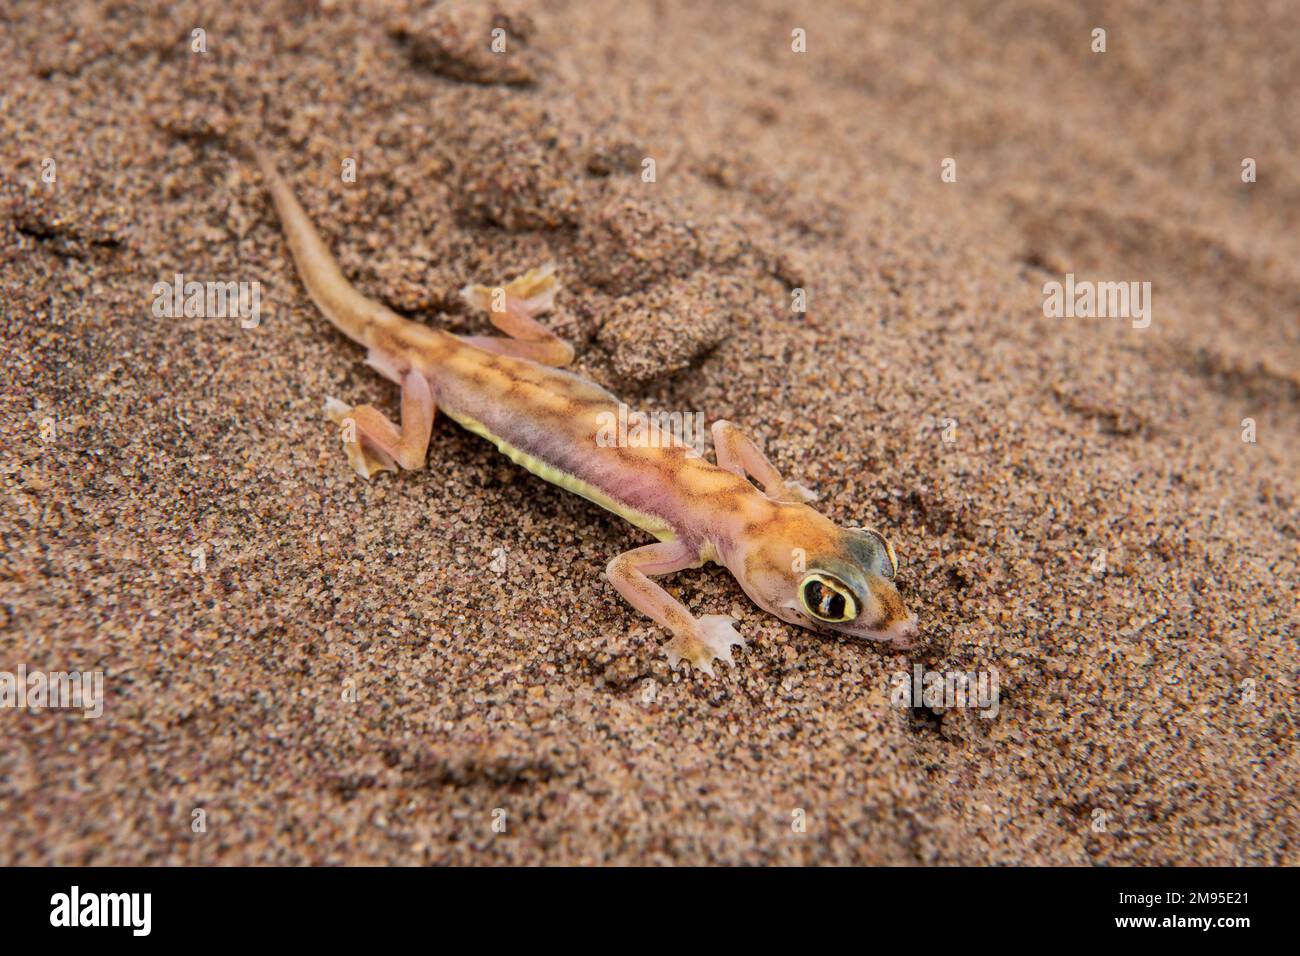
304	668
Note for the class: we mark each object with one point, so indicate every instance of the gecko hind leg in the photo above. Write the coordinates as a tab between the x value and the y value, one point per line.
513	308
699	640
738	453
374	444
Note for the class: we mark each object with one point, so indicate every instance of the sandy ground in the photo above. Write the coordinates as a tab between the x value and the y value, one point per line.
365	673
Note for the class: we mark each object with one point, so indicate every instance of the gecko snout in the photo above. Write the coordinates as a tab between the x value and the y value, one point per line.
903	634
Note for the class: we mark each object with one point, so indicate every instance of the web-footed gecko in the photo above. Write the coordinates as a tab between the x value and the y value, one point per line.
792	561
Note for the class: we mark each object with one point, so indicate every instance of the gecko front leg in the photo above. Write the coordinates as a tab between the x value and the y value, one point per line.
374	444
737	453
699	640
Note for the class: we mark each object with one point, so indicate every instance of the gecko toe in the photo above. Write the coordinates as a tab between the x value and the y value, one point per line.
718	632
806	494
335	410
713	638
795	493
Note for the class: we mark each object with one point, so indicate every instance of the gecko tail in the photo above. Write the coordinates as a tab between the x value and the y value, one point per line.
354	314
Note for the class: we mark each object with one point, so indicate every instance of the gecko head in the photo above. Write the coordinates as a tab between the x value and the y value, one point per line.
825	578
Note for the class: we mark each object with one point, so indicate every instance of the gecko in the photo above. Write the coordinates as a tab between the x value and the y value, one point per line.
514	391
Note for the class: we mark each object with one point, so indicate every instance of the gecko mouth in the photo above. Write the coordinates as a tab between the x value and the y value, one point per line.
900	633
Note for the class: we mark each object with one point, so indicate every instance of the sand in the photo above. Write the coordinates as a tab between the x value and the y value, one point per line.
380	673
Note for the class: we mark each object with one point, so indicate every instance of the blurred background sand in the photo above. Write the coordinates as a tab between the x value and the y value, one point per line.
350	681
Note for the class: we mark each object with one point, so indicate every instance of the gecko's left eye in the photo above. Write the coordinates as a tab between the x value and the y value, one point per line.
889	551
827	599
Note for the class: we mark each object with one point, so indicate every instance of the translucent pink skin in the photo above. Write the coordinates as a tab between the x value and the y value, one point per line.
554	423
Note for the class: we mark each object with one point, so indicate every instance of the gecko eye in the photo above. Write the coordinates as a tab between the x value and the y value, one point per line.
827	599
889	552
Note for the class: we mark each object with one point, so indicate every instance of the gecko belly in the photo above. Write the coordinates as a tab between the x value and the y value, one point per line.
557	476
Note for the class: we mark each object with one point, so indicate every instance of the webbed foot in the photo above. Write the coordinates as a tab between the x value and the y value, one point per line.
712	639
